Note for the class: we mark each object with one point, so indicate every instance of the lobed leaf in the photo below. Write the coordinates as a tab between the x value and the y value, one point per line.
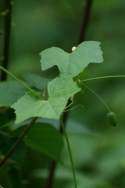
28	106
86	53
62	86
72	63
54	56
59	92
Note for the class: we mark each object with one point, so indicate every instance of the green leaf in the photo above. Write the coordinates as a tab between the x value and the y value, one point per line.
62	86
27	107
75	62
10	92
87	52
46	139
54	56
59	92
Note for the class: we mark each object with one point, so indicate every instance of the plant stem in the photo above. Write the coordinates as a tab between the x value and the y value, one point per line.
18	141
53	165
102	78
7	35
51	174
86	19
52	168
99	98
71	158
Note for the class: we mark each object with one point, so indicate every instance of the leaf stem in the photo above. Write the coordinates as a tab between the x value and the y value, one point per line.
53	165
14	146
102	78
99	98
70	157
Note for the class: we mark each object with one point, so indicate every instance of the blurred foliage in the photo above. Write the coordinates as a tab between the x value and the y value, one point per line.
98	148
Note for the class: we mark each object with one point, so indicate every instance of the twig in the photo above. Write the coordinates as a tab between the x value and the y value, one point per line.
86	19
18	141
7	33
51	174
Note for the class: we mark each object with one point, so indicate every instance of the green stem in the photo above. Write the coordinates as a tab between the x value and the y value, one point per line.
102	77
70	155
99	98
24	84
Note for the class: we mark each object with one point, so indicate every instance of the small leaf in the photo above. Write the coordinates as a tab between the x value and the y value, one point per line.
28	106
59	90
46	139
72	63
54	56
10	92
62	86
87	52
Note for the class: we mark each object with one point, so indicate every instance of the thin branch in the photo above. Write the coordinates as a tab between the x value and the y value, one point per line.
53	165
18	141
70	156
102	101
51	174
103	77
52	168
7	34
86	20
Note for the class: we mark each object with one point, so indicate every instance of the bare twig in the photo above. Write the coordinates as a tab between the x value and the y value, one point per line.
86	20
51	174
